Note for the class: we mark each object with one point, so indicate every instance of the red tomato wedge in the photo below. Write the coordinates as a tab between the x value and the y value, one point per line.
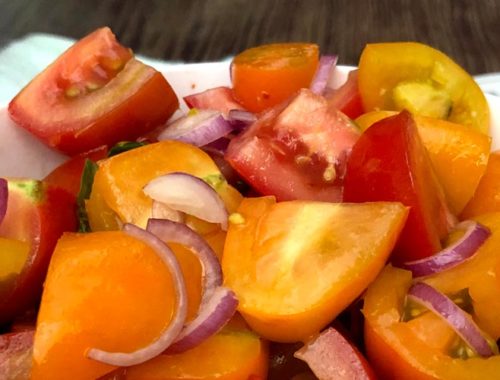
390	163
296	150
37	215
94	94
68	175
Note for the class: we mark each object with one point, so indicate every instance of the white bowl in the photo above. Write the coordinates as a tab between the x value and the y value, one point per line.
21	155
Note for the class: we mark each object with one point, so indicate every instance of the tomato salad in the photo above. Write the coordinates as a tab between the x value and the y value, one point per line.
282	228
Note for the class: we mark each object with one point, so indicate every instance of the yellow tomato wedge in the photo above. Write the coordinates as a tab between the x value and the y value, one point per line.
103	290
410	75
295	266
458	154
487	196
235	353
117	192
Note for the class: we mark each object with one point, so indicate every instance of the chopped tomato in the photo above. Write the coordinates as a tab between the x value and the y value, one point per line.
219	98
235	353
347	98
104	290
458	154
389	163
423	80
69	174
295	266
486	198
117	193
37	215
296	150
94	94
266	75
424	348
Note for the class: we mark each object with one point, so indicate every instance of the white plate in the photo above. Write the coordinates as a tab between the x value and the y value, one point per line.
21	155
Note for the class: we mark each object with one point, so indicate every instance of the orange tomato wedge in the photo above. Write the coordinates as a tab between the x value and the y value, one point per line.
235	353
103	290
266	75
295	266
117	193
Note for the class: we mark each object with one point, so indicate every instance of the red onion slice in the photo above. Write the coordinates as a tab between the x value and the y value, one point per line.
189	194
458	319
4	196
172	232
199	129
124	359
331	357
160	210
211	318
325	68
218	304
475	235
241	119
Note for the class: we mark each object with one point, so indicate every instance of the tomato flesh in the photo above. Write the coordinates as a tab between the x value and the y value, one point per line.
389	163
37	215
296	265
296	150
95	94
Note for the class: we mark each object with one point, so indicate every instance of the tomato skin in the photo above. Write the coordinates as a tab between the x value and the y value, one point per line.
108	97
69	174
219	98
37	213
347	98
292	148
267	75
389	163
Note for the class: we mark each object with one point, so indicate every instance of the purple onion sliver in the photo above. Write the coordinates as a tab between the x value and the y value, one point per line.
172	232
218	146
475	235
4	197
199	129
211	318
187	193
241	119
325	68
458	319
125	359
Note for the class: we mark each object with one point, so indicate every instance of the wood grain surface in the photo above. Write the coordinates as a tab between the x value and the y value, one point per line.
207	30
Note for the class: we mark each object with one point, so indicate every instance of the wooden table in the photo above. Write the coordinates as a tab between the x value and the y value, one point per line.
207	30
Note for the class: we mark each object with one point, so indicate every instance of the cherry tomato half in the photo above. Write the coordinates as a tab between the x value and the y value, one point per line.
266	75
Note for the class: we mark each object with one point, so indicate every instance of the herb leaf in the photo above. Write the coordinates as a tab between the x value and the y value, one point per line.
124	146
89	170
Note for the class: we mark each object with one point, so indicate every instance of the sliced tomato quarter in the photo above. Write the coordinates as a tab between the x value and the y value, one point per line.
94	94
